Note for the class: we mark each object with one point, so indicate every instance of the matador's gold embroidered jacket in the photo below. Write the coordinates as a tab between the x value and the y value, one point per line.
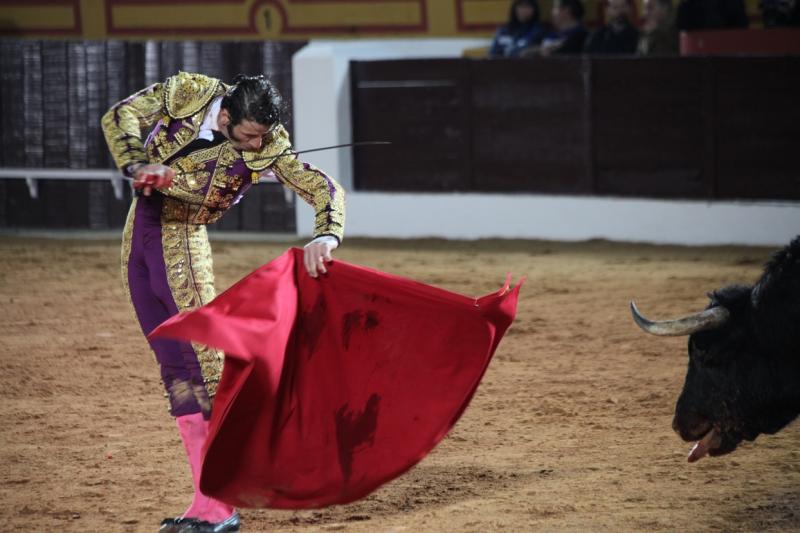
209	181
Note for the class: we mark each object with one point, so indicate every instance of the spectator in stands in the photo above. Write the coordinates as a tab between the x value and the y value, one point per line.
659	34
569	35
618	35
711	15
522	30
777	13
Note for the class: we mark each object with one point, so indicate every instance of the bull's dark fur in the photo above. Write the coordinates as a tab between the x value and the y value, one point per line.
744	378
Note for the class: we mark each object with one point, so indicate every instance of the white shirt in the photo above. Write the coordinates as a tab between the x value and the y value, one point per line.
210	121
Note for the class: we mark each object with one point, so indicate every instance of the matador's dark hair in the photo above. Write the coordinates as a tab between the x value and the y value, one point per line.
253	98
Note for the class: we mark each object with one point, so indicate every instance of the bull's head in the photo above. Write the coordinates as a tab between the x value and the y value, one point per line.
744	360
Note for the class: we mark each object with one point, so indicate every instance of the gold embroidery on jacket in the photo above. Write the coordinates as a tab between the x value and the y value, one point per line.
162	148
122	124
174	210
190	274
187	93
223	188
191	177
127	242
190	174
315	187
207	154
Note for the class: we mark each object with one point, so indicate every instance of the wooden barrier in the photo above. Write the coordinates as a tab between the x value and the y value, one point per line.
695	128
772	41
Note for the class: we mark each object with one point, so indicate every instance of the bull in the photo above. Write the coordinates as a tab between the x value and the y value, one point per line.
743	377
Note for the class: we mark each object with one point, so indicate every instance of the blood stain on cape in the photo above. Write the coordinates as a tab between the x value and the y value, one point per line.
355	431
311	323
357	319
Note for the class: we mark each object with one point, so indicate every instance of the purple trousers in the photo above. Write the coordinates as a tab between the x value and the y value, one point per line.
167	268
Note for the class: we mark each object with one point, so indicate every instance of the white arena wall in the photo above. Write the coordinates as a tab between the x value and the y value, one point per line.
322	116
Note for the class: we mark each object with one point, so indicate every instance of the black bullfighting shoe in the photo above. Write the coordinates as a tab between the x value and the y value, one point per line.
229	525
174	525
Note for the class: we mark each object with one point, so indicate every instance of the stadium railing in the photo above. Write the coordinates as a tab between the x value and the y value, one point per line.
31	175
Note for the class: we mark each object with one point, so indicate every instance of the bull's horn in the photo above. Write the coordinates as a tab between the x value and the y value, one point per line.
704	320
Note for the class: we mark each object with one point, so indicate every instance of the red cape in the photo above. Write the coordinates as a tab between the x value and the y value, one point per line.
334	386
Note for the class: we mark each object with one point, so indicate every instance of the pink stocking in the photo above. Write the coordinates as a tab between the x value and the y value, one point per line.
194	430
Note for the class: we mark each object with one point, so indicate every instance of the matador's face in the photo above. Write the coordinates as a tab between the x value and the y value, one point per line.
247	135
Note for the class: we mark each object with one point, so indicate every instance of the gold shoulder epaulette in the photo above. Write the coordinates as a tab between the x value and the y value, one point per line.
186	93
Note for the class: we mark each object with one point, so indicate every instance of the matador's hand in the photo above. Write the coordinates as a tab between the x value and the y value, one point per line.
317	253
148	177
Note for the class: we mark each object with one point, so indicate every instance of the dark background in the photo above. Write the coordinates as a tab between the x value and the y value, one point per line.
694	128
52	96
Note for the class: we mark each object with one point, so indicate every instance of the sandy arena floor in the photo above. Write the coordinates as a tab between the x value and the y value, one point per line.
570	429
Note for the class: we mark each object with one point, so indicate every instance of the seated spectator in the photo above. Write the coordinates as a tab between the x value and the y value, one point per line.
617	35
659	34
711	15
777	13
569	35
522	30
